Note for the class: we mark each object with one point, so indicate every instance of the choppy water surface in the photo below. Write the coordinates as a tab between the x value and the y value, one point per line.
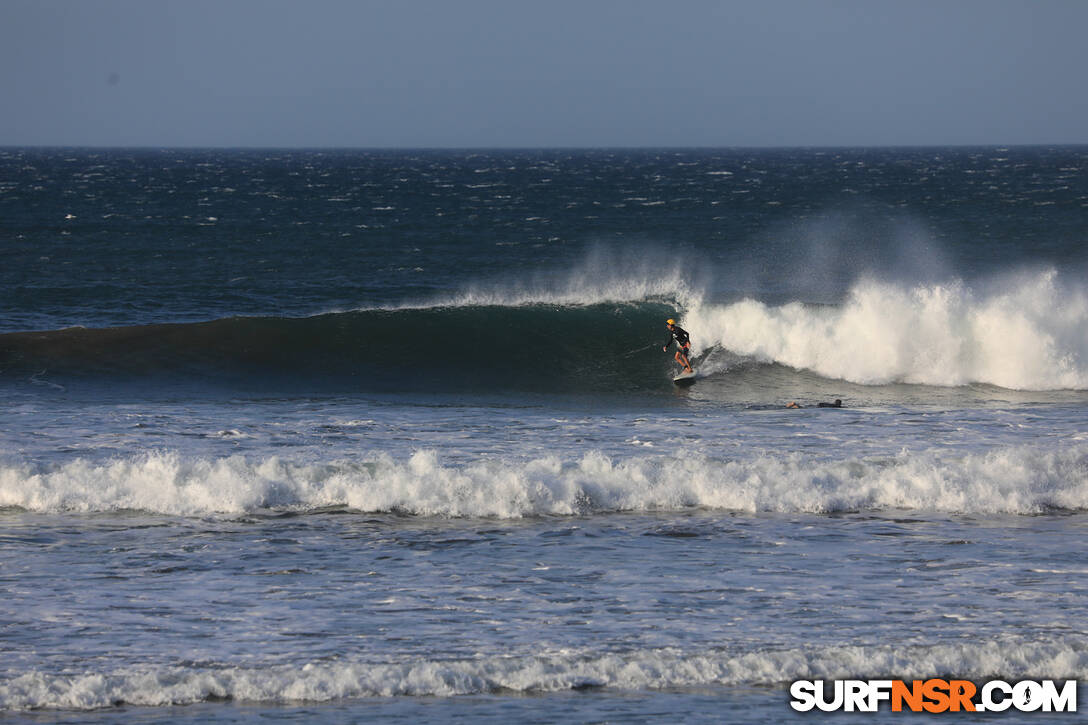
339	436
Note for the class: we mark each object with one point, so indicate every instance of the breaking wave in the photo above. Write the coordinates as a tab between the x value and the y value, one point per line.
650	669
1030	333
1011	480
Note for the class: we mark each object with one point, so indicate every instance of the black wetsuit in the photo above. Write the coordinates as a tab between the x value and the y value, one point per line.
682	339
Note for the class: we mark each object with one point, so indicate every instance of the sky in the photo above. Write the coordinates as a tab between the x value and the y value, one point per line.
543	73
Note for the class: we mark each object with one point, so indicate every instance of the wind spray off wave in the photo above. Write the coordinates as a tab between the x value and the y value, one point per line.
605	276
1030	333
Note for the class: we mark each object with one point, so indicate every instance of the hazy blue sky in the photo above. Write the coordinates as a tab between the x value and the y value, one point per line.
398	73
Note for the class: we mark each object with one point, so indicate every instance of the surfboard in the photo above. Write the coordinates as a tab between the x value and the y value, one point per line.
685	378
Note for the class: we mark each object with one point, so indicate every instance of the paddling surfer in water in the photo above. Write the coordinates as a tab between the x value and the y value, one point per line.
683	342
836	404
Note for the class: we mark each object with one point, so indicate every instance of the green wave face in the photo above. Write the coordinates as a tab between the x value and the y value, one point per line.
529	347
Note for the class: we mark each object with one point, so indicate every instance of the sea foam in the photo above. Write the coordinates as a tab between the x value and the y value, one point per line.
1006	480
642	669
1029	333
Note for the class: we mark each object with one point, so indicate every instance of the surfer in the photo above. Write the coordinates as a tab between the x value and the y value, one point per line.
836	404
683	342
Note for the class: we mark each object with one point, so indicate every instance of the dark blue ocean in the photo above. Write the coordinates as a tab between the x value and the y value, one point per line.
333	436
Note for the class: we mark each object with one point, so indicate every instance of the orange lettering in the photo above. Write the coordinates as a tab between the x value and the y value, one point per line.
912	695
936	691
961	692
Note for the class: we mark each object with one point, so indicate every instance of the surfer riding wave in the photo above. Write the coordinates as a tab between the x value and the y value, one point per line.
680	336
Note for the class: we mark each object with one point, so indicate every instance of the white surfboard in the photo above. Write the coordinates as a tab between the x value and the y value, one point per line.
685	378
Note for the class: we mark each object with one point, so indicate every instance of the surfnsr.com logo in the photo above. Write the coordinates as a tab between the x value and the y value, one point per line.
934	695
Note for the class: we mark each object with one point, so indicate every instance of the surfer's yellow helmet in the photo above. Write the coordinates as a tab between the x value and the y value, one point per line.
670	321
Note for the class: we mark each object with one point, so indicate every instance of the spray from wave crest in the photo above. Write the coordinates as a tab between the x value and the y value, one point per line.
1028	334
607	276
648	669
1006	480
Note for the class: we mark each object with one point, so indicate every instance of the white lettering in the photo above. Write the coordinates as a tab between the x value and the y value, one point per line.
988	702
835	703
994	696
804	695
879	690
1065	701
855	696
1027	696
